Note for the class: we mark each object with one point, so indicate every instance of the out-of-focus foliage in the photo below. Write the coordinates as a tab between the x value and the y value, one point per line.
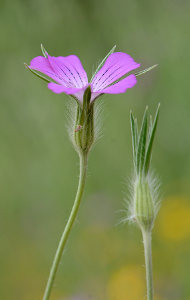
38	166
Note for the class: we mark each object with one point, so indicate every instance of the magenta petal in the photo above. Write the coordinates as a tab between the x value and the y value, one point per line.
117	65
42	65
121	86
70	70
58	89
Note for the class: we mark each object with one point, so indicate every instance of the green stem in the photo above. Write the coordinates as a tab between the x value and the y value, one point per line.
70	222
148	262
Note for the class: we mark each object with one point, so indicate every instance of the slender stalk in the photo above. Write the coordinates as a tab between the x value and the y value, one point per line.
148	263
68	227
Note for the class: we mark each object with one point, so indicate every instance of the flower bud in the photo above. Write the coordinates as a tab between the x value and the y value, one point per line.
144	206
84	126
144	201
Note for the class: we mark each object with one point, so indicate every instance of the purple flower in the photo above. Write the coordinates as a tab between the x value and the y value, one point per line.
70	77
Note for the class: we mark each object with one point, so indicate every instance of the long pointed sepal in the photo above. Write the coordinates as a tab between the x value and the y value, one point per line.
44	52
151	139
36	74
142	143
102	62
146	70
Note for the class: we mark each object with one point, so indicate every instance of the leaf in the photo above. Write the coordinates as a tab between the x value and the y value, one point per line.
36	74
142	143
149	148
102	62
145	70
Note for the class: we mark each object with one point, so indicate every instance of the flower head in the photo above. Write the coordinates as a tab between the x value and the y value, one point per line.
69	76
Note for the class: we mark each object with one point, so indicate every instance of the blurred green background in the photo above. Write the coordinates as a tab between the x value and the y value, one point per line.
39	168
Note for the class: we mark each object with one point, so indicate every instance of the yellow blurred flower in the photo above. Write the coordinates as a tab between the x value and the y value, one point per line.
127	283
174	219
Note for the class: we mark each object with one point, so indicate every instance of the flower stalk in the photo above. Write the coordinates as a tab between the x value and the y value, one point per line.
68	227
147	236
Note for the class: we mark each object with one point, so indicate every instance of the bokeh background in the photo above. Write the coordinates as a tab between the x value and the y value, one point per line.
39	168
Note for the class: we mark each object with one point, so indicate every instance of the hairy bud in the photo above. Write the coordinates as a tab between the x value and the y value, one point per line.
144	206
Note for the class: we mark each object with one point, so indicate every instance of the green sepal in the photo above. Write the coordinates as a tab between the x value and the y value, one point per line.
102	62
85	106
87	98
84	129
142	143
144	209
150	127
44	52
134	137
150	143
136	133
146	70
36	74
